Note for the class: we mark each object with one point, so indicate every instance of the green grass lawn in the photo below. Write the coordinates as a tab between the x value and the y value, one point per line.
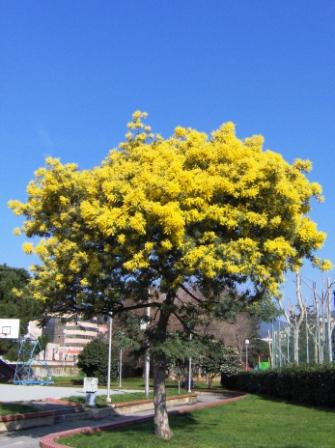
138	383
253	422
69	381
119	398
15	408
127	383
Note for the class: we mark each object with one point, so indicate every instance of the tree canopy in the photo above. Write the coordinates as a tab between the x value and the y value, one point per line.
211	211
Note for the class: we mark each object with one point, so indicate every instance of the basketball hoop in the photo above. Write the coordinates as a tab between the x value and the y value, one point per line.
9	328
5	331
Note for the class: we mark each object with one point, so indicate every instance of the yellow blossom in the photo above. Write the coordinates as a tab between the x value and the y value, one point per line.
28	248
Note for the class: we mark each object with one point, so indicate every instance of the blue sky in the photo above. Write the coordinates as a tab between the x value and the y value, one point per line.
72	72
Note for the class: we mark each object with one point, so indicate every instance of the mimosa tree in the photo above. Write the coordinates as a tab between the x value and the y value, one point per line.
197	212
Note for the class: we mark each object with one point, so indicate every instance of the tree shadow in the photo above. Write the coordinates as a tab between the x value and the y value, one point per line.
178	420
295	403
37	432
186	422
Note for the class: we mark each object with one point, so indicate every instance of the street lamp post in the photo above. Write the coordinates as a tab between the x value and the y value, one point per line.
147	373
190	371
246	342
144	326
120	367
147	363
108	398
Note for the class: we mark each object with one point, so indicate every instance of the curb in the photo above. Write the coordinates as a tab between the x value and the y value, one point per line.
24	420
26	416
62	402
51	440
73	407
125	404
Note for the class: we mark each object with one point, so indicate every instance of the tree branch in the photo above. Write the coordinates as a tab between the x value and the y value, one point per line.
191	294
137	307
186	327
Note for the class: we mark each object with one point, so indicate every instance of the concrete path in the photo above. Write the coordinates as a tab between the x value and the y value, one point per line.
29	438
12	392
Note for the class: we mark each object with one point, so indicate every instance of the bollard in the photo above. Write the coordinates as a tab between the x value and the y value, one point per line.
90	389
91	399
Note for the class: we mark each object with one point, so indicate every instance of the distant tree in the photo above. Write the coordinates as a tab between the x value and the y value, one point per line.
93	360
16	302
217	359
266	310
258	351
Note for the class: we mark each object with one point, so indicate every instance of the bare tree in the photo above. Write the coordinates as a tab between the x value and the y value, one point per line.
329	329
294	319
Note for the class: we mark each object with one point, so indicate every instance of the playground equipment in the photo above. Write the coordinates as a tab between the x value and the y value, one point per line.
27	362
29	348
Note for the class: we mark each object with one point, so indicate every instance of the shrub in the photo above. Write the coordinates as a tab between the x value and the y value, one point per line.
314	385
93	360
218	359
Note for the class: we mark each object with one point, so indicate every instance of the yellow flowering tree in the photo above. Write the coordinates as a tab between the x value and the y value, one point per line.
209	211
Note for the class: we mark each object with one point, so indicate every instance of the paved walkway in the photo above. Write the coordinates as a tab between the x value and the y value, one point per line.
29	438
12	392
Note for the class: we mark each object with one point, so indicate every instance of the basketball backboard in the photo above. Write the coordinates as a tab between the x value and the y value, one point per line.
9	328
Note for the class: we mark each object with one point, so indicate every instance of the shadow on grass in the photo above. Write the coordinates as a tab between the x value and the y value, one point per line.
186	422
15	408
266	446
295	403
138	432
36	432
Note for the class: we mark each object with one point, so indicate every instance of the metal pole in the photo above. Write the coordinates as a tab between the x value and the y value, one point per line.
288	343
246	342
307	336
120	369
279	340
273	337
190	371
108	398
270	347
246	358
147	363
147	373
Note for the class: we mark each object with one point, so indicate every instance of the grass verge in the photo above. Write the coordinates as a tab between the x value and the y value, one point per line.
15	408
129	383
254	422
118	398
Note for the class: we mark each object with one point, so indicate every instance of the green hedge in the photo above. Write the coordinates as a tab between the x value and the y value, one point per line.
310	385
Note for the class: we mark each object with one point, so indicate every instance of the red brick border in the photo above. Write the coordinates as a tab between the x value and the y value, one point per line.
51	440
125	404
73	407
26	416
62	402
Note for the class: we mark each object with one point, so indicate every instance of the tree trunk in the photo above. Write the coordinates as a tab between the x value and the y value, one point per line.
296	345
161	420
316	351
